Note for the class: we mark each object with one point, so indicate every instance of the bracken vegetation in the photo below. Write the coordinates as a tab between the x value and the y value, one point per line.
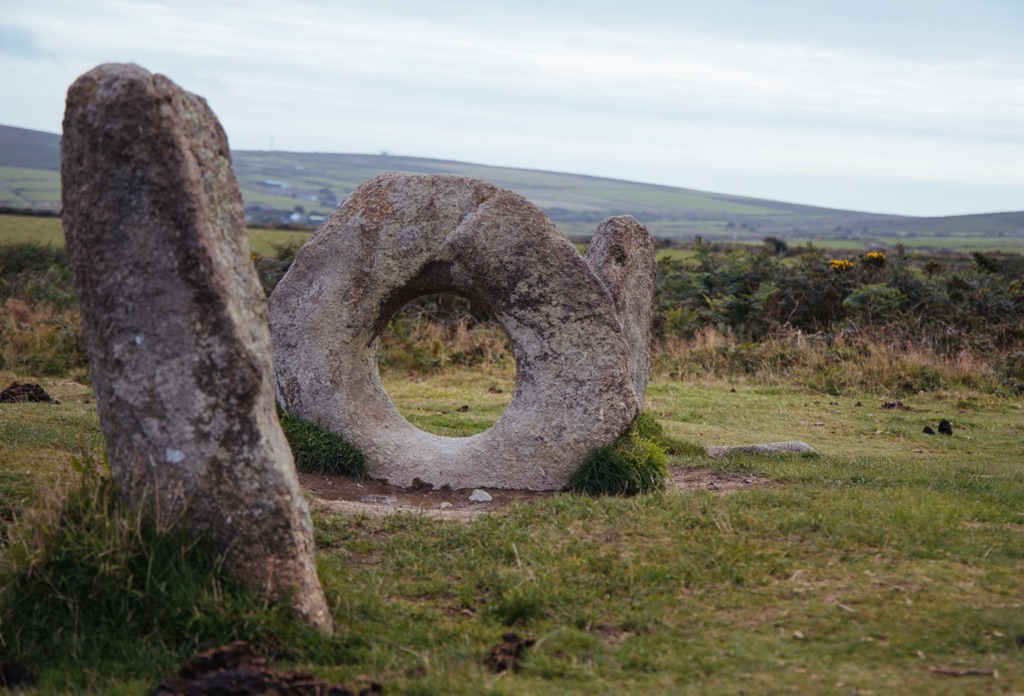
40	331
909	324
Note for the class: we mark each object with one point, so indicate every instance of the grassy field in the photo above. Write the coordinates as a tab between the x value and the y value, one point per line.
47	231
29	187
891	563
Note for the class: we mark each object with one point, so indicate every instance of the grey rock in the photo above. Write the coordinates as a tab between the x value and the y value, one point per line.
621	254
479	496
768	448
380	499
175	326
401	236
445	506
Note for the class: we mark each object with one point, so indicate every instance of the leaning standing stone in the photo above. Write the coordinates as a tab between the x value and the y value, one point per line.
175	326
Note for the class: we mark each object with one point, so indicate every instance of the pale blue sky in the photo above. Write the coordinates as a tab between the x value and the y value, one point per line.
901	106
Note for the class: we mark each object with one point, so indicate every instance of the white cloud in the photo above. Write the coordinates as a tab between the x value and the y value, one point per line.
488	84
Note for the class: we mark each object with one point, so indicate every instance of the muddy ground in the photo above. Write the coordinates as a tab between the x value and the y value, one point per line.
344	494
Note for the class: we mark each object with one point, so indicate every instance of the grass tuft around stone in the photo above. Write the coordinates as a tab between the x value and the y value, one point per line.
633	464
87	583
318	451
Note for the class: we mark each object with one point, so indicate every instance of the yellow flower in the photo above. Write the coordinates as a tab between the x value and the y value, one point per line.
840	265
875	258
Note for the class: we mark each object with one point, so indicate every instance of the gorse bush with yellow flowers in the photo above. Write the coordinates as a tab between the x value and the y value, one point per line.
876	322
755	293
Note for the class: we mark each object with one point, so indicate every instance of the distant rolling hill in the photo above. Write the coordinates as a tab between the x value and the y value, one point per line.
303	188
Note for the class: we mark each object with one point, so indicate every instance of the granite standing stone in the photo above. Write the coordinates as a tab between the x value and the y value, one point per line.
175	326
621	254
401	236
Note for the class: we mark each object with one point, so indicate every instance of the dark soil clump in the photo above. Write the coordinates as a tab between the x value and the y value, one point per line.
505	657
14	676
237	669
25	393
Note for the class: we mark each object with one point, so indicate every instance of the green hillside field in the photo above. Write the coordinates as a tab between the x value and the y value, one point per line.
277	184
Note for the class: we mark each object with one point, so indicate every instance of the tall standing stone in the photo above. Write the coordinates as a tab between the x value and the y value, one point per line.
621	254
175	326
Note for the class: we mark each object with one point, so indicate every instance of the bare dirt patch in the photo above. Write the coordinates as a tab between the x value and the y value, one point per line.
343	494
712	480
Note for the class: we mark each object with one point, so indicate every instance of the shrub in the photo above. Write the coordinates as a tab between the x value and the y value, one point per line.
271	269
37	274
1010	372
874	302
753	294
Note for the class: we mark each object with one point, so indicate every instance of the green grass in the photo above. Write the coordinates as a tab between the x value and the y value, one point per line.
633	464
265	242
37	440
860	570
90	589
320	451
21	229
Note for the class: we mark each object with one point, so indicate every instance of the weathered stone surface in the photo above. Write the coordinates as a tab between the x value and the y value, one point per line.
401	236
768	448
175	326
621	254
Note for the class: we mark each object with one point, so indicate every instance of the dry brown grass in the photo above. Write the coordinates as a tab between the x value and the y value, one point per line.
419	344
848	361
37	339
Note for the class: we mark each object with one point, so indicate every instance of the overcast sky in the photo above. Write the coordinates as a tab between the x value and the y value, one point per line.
897	106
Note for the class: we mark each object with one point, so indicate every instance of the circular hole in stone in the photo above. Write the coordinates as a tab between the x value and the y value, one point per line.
447	365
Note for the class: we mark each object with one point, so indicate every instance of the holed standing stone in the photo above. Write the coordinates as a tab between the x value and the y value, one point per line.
175	326
400	236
